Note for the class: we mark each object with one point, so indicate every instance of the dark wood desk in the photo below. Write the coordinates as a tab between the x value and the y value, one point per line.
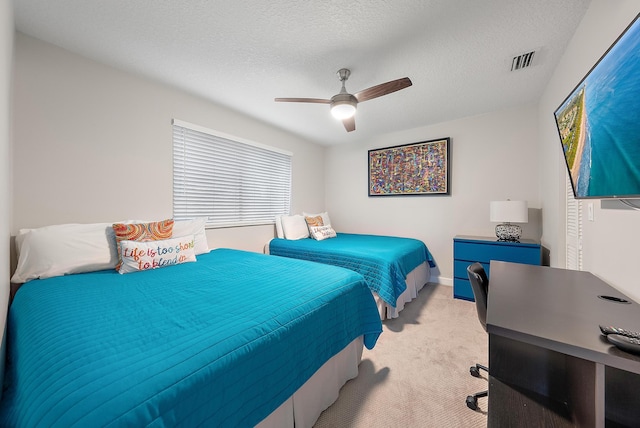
549	364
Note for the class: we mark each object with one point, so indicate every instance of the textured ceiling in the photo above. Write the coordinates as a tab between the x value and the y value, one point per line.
243	54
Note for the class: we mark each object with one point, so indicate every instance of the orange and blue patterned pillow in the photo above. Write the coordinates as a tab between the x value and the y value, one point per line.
154	231
326	221
314	221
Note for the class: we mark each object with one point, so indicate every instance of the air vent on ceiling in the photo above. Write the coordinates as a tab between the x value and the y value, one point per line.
522	61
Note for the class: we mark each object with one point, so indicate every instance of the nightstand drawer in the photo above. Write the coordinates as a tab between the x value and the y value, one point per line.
460	268
462	289
505	252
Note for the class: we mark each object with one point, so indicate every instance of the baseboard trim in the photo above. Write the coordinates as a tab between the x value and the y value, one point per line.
441	280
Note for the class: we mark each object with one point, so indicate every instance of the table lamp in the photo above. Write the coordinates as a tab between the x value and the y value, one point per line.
505	213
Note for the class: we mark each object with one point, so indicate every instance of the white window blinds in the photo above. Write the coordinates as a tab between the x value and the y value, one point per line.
574	229
230	181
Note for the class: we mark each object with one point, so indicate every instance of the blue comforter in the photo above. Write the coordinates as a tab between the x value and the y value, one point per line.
384	261
219	342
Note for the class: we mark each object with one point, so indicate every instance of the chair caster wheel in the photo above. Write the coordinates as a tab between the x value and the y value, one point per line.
472	402
474	371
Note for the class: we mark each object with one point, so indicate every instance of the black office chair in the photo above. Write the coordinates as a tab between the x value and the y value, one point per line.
480	287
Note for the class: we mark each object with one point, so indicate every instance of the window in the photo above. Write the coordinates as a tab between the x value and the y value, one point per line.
230	181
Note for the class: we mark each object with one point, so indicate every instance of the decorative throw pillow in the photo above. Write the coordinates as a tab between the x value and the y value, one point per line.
154	231
145	255
314	221
322	232
326	221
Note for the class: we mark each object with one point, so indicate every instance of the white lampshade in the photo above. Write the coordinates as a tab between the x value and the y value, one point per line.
509	212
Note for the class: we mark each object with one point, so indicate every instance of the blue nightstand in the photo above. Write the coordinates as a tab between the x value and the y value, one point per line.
471	249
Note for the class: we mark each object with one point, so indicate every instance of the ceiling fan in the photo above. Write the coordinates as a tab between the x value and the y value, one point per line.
343	105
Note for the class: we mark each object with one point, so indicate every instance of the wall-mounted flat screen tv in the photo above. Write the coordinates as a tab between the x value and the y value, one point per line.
599	123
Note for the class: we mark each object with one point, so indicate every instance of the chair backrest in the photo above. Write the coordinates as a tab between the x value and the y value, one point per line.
480	287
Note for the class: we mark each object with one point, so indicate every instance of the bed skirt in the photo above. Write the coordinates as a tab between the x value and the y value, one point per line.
319	392
416	279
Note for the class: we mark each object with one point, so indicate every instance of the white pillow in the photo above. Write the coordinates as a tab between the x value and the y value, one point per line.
325	217
322	232
294	227
63	249
145	255
193	227
279	231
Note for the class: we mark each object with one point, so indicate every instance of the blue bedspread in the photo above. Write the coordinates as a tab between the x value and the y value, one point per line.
384	261
220	342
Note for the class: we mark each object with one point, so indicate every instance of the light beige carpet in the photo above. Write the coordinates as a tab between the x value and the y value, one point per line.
418	373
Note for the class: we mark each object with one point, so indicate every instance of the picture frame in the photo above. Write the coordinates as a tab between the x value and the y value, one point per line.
416	169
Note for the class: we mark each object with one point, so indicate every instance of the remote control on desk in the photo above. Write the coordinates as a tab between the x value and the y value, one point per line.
625	343
606	330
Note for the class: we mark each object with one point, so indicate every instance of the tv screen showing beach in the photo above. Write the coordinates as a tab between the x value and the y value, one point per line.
599	123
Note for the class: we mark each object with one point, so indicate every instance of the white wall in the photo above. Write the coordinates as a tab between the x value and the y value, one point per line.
493	157
6	52
94	144
610	242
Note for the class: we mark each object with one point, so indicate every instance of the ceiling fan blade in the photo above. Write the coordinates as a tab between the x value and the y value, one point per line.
383	89
303	100
349	123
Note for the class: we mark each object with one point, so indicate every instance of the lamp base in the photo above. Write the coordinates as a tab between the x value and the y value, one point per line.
508	232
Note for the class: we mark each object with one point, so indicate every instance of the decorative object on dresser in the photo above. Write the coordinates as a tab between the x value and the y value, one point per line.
470	249
505	213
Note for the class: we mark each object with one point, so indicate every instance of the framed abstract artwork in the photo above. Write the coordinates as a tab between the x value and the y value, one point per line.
411	169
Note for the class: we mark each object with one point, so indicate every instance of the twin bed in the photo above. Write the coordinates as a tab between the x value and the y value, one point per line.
234	339
395	268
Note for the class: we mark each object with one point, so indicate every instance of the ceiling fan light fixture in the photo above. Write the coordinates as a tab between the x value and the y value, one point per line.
343	110
343	106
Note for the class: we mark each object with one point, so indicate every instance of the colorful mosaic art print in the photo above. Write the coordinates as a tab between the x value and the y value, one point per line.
410	169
